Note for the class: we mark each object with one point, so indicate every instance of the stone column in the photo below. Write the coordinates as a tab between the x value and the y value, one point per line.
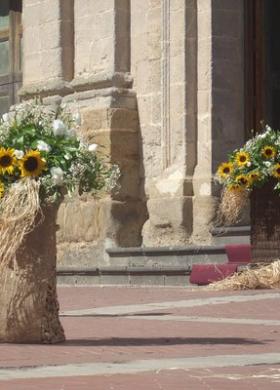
163	67
220	102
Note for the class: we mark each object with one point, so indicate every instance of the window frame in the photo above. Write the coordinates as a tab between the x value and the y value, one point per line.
10	82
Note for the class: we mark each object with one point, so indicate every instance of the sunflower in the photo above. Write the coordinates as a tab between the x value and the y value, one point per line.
268	152
276	171
243	180
242	159
254	176
7	161
2	189
225	169
234	187
32	164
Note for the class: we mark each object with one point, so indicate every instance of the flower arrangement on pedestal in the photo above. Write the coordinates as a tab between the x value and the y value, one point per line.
42	158
251	166
254	170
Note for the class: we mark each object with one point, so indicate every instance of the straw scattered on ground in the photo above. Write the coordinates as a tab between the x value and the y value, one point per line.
262	277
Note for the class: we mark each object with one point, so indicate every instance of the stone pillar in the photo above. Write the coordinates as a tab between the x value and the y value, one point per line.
220	102
163	67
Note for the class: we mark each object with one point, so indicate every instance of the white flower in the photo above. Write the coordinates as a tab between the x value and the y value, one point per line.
19	154
77	118
59	127
267	164
92	147
261	136
71	133
249	164
5	117
57	176
43	146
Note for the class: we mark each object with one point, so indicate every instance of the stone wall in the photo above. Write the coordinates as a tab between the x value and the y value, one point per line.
159	84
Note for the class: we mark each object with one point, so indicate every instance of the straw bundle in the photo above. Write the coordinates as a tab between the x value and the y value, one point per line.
233	202
19	208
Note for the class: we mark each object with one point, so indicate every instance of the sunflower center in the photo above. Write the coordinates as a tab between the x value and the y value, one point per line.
243	180
31	164
5	161
268	152
226	170
242	158
278	171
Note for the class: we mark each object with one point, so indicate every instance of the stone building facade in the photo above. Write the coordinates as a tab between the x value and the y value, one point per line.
160	85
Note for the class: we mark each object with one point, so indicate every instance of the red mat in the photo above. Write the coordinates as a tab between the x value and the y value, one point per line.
238	253
203	274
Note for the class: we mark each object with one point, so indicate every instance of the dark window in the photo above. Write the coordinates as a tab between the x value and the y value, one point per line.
10	52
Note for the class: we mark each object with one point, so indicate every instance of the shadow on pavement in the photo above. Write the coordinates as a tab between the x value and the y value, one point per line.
163	341
114	315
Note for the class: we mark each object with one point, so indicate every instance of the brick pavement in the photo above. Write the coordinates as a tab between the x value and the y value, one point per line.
146	338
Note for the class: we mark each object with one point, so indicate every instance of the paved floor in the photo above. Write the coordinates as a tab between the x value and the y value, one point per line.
154	338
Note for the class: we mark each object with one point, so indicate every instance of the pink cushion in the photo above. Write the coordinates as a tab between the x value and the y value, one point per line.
238	253
206	273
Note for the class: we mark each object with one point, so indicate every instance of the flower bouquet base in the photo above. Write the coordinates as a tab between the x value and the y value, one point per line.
265	224
28	299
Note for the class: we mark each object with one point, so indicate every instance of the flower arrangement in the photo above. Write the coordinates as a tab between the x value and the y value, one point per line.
256	163
42	158
251	166
42	143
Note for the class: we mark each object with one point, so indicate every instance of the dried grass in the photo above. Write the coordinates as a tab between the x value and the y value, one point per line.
19	208
262	277
232	204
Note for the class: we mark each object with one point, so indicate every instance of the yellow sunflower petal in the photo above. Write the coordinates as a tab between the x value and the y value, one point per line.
32	164
7	161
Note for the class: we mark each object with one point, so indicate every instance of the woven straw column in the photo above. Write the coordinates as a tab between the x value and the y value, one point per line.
28	300
265	224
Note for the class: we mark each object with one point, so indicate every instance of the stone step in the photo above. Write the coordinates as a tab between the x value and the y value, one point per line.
166	256
231	235
155	266
135	276
145	266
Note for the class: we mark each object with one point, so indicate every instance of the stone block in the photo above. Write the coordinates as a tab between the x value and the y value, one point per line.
114	280
147	280
79	221
171	212
176	280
